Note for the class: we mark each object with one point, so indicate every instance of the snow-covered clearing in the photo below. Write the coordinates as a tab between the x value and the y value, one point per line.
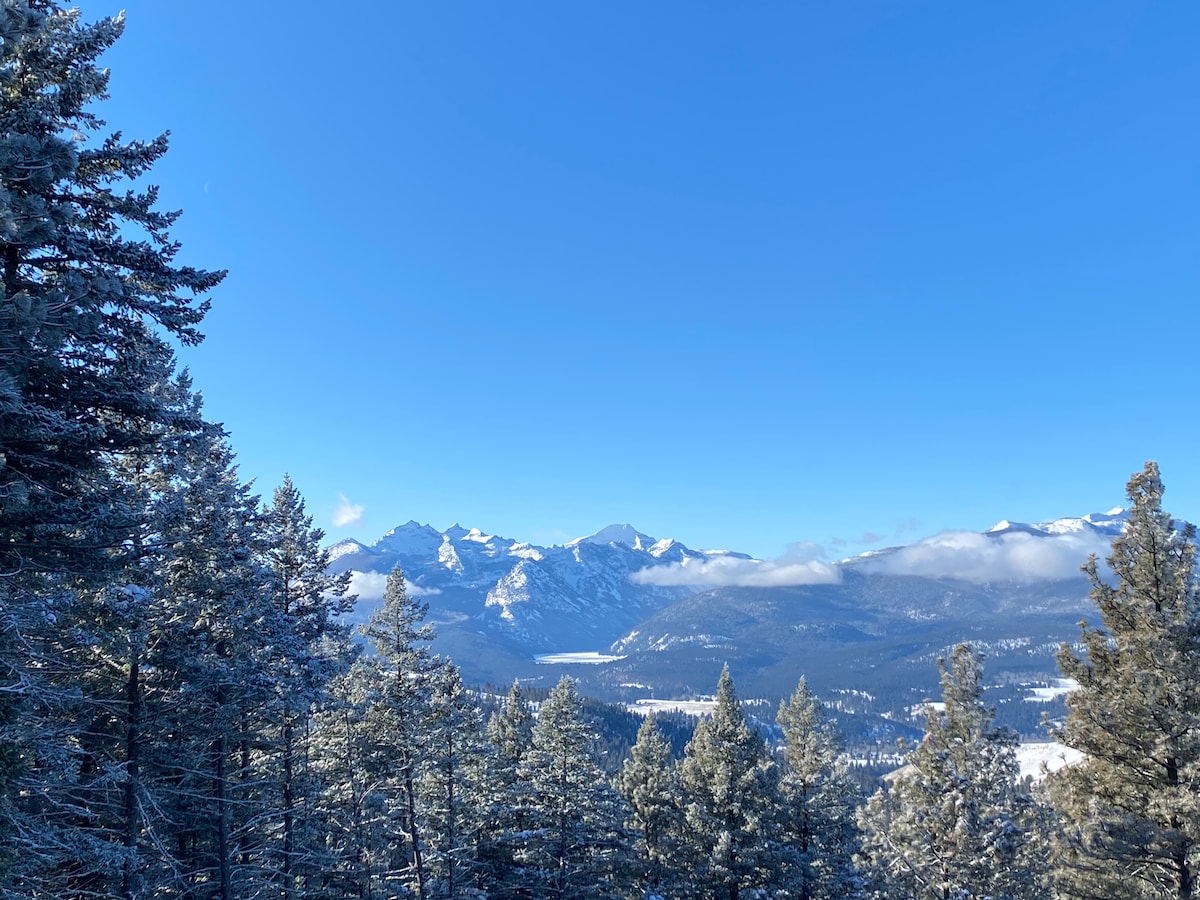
690	707
587	657
1057	689
1055	755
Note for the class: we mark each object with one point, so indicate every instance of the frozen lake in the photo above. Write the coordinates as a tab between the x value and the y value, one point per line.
586	657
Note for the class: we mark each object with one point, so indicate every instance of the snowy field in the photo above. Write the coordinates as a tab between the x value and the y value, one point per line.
1057	689
1031	756
586	657
691	707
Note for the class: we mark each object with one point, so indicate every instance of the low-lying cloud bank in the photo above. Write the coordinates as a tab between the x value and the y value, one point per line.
1013	556
731	571
967	555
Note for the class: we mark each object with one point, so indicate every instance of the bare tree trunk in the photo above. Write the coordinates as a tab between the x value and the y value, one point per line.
133	721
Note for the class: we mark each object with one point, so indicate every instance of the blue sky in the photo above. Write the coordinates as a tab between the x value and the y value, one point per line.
743	275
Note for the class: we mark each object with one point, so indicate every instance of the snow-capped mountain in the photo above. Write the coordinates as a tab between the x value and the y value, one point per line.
1109	524
881	619
575	596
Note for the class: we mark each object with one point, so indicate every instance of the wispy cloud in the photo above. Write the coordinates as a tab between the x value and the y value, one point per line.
1014	556
346	513
371	585
804	563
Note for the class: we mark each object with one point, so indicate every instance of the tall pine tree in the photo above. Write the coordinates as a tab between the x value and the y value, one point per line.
1132	805
310	647
951	826
575	846
818	802
729	787
649	783
90	299
397	719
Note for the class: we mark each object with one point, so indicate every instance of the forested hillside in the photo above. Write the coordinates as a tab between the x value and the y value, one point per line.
183	713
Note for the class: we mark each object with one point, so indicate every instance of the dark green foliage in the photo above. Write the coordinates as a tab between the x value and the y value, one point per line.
649	783
90	292
818	800
1132	806
729	783
575	846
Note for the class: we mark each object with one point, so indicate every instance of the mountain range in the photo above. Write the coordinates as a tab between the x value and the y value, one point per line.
635	617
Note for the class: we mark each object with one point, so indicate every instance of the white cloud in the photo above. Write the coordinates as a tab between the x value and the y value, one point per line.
370	586
346	513
1013	556
800	567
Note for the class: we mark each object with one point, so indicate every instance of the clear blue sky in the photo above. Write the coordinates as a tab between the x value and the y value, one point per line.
740	274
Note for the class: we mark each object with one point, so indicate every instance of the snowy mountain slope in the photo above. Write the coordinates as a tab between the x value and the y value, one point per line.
879	626
571	597
1109	524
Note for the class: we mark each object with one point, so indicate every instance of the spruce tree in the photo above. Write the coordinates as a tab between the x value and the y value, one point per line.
310	648
91	292
353	803
1131	807
649	783
575	846
401	637
452	783
818	802
92	299
729	787
951	826
504	799
214	653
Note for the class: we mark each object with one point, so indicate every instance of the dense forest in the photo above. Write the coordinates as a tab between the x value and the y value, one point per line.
183	712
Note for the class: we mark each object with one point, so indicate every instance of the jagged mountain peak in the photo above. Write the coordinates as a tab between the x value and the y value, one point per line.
410	539
625	535
345	547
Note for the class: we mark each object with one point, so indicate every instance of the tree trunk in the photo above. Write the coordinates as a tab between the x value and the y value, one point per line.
221	796
285	891
133	719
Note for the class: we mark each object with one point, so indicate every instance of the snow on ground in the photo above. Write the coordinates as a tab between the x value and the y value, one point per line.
918	709
1059	687
1055	755
589	657
690	707
1030	759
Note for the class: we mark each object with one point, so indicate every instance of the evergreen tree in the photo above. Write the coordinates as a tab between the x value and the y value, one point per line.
397	718
950	827
451	784
310	647
574	848
818	802
91	294
650	785
213	652
729	787
352	805
1132	805
92	298
504	799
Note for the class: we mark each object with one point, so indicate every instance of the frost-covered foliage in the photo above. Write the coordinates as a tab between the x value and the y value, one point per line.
818	801
953	822
728	782
182	716
649	782
1131	808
